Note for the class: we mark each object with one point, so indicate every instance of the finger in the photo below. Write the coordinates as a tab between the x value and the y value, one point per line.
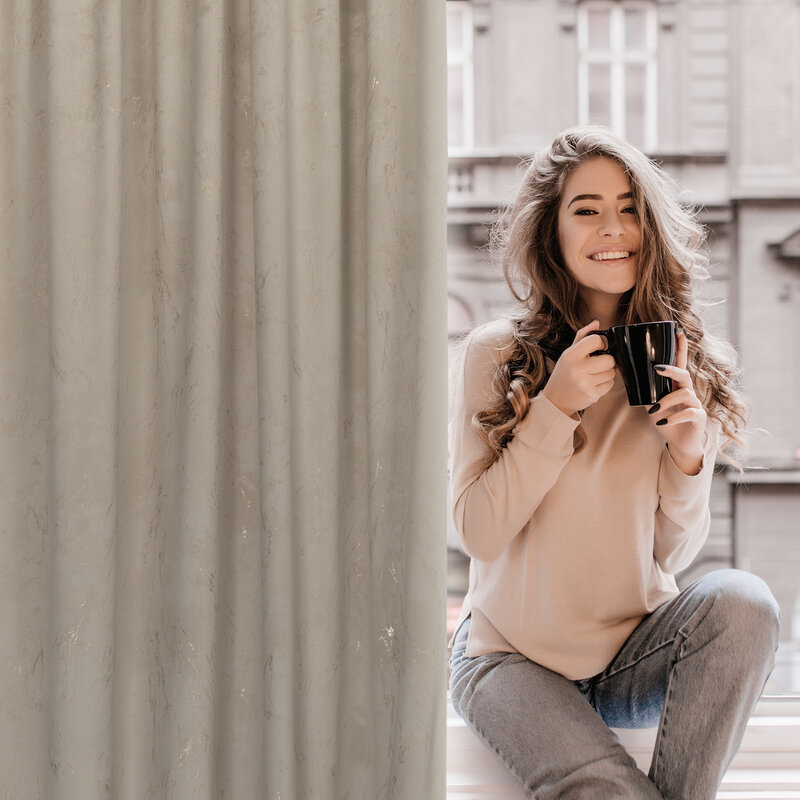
681	397
682	357
679	375
605	387
592	345
601	363
596	391
598	380
594	325
696	415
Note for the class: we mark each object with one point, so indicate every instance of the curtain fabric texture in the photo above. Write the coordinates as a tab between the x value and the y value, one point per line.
222	399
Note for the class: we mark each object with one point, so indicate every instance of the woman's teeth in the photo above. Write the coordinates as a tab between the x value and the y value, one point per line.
609	256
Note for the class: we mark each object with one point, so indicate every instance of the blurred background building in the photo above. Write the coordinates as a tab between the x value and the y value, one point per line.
711	90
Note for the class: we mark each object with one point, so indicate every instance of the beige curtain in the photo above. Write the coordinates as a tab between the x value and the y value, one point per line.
222	399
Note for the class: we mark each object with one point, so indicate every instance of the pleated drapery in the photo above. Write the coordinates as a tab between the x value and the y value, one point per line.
222	399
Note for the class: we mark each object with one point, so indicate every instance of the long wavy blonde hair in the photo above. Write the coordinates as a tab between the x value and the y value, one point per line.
672	258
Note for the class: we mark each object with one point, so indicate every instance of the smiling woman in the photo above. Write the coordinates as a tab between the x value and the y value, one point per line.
578	509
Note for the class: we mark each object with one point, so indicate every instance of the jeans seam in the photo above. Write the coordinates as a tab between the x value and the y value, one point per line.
639	658
662	727
508	764
683	635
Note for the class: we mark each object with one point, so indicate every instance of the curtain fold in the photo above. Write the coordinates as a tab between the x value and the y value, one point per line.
222	399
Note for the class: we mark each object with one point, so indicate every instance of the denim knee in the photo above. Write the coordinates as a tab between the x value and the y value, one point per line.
744	609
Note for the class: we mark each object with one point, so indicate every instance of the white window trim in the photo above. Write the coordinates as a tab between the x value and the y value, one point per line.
618	57
464	58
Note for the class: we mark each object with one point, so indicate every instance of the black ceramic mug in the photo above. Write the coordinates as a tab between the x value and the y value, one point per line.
637	349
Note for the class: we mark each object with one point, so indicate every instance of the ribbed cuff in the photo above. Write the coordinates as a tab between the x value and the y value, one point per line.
674	482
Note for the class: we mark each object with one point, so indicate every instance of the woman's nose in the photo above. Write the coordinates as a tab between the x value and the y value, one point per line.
611	225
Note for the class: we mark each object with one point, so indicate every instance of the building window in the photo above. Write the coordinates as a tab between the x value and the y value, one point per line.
617	68
460	115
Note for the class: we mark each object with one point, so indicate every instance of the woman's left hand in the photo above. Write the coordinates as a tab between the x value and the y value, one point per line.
679	416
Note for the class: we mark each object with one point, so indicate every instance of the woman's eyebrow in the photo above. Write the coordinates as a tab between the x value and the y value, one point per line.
625	196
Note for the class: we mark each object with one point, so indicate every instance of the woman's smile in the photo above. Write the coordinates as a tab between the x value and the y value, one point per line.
605	254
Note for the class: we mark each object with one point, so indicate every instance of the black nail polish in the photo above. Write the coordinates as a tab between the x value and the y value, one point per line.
653	409
661	422
659	368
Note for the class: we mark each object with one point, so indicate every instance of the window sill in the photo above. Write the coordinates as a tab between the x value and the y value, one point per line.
767	766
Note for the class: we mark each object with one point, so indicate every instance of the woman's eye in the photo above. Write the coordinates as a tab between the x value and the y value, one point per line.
586	212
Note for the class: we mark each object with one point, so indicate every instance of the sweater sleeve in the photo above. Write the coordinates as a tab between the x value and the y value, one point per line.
683	517
491	506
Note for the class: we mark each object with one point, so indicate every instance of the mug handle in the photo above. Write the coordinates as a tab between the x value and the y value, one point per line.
607	351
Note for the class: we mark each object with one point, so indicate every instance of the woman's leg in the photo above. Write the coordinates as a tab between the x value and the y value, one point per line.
703	658
542	728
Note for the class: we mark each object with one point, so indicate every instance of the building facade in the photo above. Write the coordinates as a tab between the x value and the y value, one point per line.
711	90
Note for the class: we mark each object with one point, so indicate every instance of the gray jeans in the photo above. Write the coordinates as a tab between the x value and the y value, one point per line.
695	667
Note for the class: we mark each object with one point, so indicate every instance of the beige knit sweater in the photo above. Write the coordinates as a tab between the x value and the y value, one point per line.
569	550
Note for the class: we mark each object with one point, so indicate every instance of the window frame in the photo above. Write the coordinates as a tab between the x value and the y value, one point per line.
464	57
617	57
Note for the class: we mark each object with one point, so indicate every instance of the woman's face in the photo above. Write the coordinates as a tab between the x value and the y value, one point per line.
598	231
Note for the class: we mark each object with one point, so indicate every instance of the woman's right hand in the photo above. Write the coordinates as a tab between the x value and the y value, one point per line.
580	379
